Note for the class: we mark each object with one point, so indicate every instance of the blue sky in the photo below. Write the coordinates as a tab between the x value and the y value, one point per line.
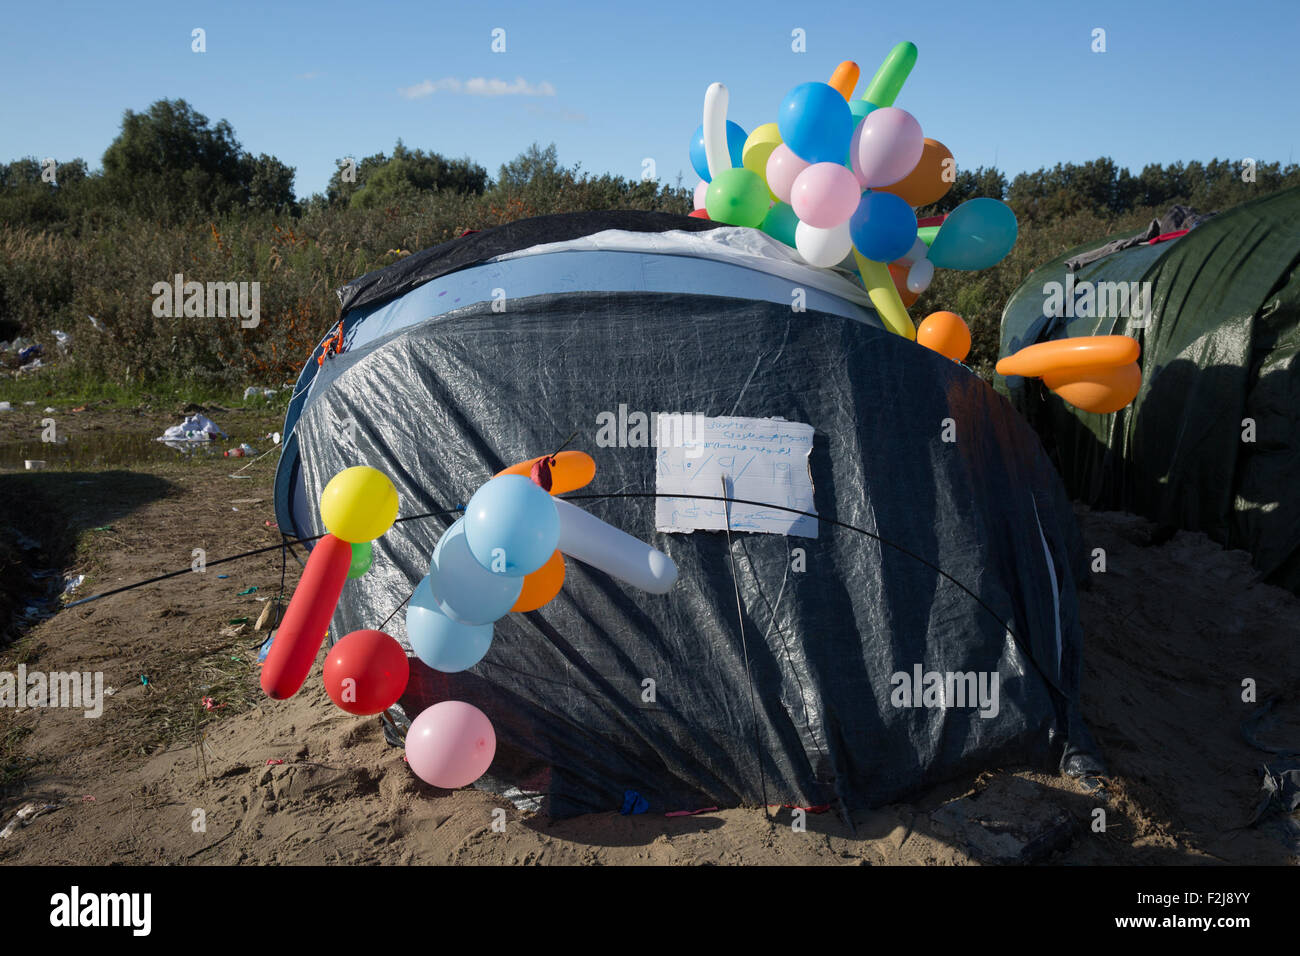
612	83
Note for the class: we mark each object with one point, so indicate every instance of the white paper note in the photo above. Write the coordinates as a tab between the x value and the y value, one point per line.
762	459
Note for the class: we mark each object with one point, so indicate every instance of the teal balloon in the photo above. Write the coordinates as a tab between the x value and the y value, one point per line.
445	645
780	223
362	554
859	109
976	235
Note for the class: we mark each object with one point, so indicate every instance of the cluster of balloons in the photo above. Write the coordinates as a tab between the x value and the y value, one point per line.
839	180
505	554
1095	373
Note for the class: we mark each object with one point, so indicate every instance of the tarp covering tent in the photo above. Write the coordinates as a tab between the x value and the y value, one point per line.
440	385
1212	442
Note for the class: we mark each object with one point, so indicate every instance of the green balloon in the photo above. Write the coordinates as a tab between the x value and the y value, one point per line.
780	223
738	197
889	79
362	554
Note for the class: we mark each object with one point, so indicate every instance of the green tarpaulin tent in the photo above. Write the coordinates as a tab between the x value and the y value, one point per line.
1212	442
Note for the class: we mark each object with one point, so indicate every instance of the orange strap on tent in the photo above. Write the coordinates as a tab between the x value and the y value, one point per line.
334	342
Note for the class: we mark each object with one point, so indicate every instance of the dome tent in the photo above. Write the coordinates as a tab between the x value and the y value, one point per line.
1212	442
439	385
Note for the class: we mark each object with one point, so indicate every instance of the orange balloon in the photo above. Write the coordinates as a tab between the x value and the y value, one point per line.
898	272
945	333
542	585
926	182
845	78
1097	390
1083	352
572	470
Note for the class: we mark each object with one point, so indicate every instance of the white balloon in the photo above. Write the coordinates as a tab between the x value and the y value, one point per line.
715	129
823	247
585	537
920	276
701	191
918	251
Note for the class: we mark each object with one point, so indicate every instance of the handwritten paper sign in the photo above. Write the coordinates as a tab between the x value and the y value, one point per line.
762	459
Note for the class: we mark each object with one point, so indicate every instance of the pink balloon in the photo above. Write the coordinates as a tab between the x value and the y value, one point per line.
451	744
825	195
701	191
887	147
783	167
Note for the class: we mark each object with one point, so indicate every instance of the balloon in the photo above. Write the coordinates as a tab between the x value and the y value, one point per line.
1097	390
358	504
880	287
889	145
542	585
883	227
845	78
445	645
945	333
783	168
823	247
511	526
366	672
925	233
781	223
466	591
570	470
451	744
758	148
735	147
701	190
889	79
929	181
717	131
302	631
738	197
815	122
617	553
898	272
920	276
698	214
362	555
976	235
825	195
1085	351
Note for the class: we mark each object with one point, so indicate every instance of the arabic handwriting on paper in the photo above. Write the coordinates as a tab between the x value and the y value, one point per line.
763	462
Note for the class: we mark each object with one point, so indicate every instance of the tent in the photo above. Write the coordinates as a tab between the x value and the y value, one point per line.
1212	442
780	683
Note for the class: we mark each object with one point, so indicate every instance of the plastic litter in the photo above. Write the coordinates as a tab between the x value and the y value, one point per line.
194	428
6	407
254	392
26	815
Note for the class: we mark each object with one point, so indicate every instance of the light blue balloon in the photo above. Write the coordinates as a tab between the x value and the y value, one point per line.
976	235
736	137
883	227
512	526
780	223
816	123
443	644
465	590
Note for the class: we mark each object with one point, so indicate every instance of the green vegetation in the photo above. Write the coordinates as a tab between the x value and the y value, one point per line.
178	194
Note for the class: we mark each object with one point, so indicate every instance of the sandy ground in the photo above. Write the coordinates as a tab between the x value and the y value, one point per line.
1174	626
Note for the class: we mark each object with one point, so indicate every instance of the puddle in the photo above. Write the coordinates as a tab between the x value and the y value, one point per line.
103	448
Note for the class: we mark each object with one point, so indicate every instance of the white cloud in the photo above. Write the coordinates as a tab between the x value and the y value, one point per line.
478	86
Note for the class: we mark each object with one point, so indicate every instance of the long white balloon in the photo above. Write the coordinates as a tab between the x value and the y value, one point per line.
592	541
918	252
715	129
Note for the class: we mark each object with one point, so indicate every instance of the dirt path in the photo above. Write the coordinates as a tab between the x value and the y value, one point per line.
1174	627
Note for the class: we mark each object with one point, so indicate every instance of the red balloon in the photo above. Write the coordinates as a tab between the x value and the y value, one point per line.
366	672
302	632
698	214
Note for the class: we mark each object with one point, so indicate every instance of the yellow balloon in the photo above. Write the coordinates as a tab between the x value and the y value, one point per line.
758	147
884	296
359	504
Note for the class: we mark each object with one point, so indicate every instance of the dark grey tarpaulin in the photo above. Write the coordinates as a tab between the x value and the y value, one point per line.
443	405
